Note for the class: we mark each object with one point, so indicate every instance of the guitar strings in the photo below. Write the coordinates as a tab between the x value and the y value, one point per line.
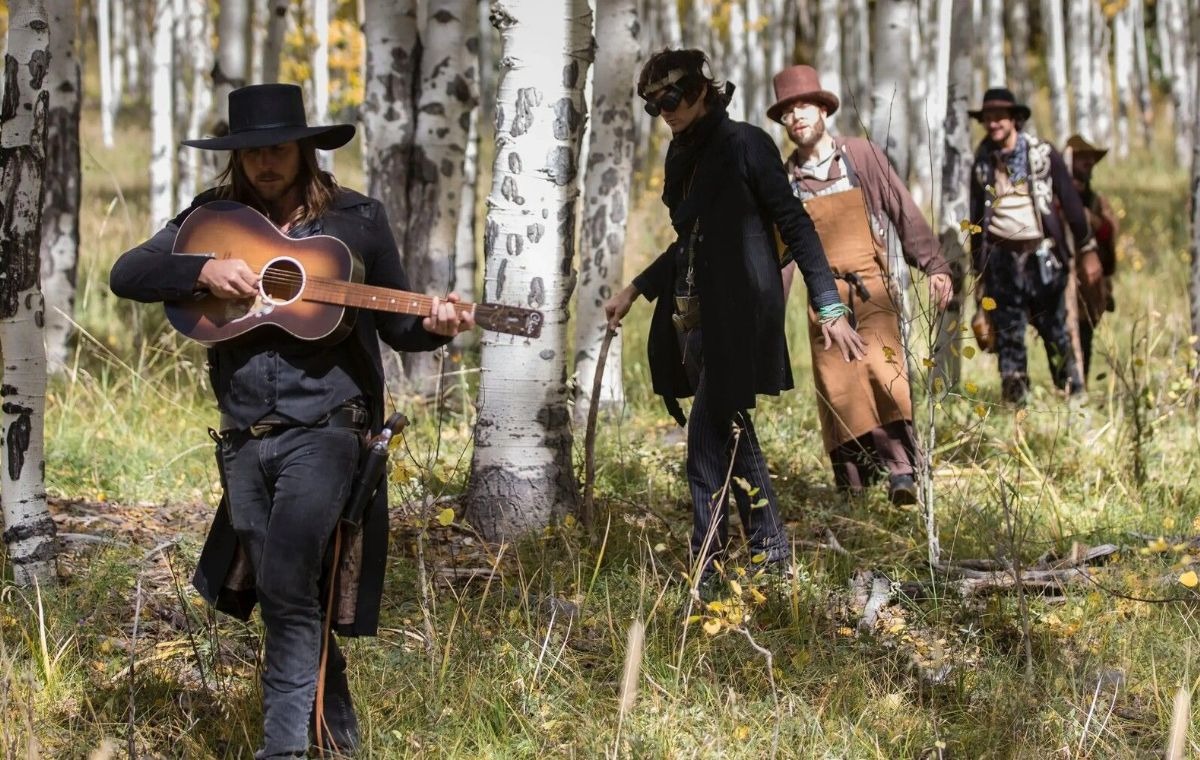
295	279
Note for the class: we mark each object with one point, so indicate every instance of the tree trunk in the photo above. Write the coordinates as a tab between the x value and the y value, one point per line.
606	203
1017	20
521	476
1056	66
856	69
389	118
277	24
60	208
671	29
105	67
199	29
1101	96
757	79
889	95
162	125
1181	76
1123	58
1145	106
923	116
1194	289
448	94
465	246
737	65
993	20
319	18
955	201
829	55
230	70
1079	26
258	38
699	26
489	40
29	531
132	43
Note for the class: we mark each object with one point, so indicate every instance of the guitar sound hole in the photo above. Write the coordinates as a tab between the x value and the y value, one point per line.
282	281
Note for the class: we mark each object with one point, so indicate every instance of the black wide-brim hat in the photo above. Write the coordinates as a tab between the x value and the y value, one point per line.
1001	97
271	114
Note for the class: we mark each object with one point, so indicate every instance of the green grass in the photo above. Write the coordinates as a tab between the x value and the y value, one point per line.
530	664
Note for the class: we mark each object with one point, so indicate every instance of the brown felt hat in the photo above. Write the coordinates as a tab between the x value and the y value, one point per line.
1076	144
800	83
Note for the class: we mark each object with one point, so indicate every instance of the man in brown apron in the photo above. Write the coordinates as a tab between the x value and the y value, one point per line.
1093	269
853	195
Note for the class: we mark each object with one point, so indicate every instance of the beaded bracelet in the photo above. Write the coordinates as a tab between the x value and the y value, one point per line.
833	312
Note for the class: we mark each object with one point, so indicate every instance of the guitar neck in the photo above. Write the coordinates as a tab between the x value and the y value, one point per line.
373	297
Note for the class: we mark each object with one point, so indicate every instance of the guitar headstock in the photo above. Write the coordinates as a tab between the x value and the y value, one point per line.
512	320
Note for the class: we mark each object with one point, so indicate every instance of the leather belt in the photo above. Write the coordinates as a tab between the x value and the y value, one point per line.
352	417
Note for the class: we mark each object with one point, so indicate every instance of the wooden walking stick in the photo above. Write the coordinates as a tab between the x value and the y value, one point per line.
586	512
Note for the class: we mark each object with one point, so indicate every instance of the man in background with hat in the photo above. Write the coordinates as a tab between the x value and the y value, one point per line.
853	195
1094	269
1024	206
293	413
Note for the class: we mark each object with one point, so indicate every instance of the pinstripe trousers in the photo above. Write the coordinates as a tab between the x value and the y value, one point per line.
711	443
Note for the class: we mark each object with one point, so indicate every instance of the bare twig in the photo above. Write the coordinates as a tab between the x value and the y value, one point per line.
137	612
587	510
766	653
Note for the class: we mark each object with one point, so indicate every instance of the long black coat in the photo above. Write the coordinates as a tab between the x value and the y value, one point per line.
740	193
150	273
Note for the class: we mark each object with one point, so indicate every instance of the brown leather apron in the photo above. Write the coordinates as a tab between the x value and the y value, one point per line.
857	397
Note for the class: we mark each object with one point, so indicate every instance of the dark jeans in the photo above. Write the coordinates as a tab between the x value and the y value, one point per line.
286	492
710	442
1020	300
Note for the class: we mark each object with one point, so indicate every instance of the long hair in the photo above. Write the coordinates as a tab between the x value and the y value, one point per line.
317	186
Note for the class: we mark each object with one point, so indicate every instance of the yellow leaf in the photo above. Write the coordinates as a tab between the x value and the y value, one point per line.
759	558
445	517
1189	579
712	627
971	388
741	733
845	631
736	588
981	410
569	521
757	596
988	303
968	352
928	363
1158	545
660	548
693	619
716	607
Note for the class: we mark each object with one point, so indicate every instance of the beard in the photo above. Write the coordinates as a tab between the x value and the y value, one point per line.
810	137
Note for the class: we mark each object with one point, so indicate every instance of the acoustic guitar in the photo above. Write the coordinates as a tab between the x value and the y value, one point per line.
309	287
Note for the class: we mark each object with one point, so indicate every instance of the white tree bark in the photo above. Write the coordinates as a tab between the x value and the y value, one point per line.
199	30
521	475
757	79
955	200
258	38
1194	289
277	23
699	27
889	94
448	95
388	116
1017	21
1056	65
105	69
162	124
1101	93
60	208
29	531
230	70
671	28
465	246
1079	37
132	43
737	63
1142	87
320	72
1181	75
606	203
993	20
829	55
856	71
1123	65
923	116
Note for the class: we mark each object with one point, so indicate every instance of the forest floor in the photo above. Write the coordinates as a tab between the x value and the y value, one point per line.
518	651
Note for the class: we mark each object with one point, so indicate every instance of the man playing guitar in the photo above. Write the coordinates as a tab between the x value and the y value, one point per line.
293	412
